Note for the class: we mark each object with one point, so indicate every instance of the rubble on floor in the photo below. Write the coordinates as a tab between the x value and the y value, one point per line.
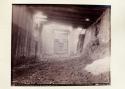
57	72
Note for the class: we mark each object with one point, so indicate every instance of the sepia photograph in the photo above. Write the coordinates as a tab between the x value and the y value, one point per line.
60	45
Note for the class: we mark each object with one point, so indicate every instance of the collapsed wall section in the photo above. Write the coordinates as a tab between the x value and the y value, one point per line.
98	38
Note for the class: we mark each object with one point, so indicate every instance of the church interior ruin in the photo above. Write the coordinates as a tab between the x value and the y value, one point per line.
60	44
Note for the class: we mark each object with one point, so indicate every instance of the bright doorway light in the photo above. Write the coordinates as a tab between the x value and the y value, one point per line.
39	17
87	19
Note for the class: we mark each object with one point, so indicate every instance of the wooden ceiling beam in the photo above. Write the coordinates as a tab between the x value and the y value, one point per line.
71	21
72	16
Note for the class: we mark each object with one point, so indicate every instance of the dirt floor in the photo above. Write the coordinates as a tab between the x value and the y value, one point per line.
66	72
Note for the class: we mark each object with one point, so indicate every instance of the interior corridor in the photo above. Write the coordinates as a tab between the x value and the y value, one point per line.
56	44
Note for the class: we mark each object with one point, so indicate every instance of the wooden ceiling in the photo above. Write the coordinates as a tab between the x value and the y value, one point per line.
73	14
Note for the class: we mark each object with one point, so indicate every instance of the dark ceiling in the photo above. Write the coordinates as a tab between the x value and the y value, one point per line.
73	14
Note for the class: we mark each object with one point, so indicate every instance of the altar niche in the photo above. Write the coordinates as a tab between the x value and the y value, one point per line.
60	42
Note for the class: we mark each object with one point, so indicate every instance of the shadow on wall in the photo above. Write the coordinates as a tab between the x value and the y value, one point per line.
23	42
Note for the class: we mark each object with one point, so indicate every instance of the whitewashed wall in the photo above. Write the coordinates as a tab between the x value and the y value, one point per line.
48	37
